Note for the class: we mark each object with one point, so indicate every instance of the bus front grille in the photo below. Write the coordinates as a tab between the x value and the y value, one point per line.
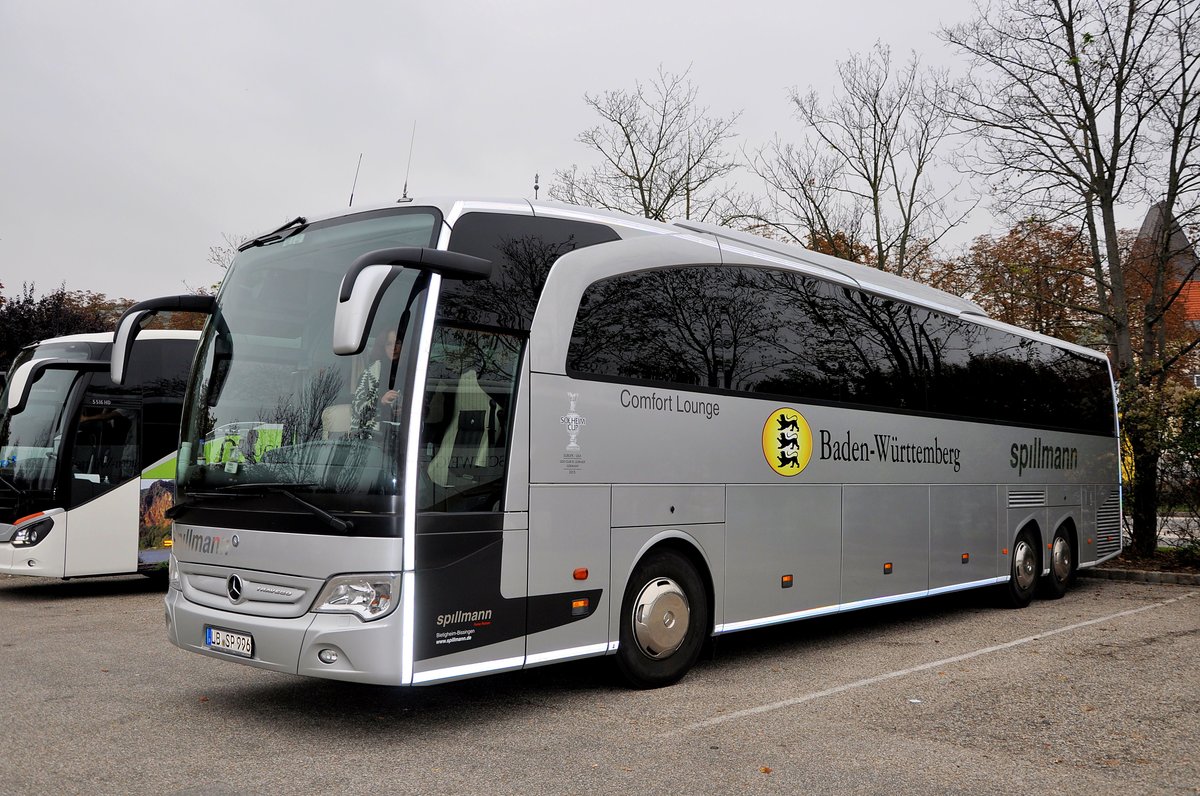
246	592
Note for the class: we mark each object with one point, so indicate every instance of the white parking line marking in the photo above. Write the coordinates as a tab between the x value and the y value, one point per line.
787	703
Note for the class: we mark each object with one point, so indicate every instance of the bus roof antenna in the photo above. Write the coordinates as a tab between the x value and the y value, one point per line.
411	140
355	183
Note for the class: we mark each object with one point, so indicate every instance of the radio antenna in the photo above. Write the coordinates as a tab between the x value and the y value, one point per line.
355	184
411	140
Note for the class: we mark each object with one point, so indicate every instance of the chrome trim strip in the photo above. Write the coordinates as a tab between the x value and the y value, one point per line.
573	652
874	601
766	621
778	619
409	592
964	586
467	670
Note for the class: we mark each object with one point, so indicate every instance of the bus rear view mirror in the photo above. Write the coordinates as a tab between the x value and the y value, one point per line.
139	315
28	373
369	276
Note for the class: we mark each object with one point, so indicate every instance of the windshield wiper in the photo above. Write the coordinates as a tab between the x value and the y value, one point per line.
260	489
295	226
11	485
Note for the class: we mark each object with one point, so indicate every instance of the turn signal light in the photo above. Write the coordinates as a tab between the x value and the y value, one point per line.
786	582
581	573
579	606
966	557
887	568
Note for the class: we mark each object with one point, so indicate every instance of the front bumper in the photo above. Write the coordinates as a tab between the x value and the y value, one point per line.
367	652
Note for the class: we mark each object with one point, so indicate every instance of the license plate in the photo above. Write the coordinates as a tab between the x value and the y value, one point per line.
227	641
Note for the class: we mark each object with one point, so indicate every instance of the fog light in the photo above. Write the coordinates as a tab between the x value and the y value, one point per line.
328	656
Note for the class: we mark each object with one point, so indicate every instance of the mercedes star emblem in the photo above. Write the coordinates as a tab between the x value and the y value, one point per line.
234	585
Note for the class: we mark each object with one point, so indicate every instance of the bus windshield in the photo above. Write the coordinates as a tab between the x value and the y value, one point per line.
270	407
31	440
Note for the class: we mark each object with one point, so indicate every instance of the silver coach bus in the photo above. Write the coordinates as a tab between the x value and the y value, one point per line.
451	437
87	468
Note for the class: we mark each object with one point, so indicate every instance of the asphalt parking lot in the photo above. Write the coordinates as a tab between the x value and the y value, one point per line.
1096	693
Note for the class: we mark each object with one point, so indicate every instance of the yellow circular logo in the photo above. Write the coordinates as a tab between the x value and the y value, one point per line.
787	441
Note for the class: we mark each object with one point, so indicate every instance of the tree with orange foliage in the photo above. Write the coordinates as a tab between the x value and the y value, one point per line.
1037	276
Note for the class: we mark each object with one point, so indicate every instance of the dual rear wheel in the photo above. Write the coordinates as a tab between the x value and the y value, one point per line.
1025	578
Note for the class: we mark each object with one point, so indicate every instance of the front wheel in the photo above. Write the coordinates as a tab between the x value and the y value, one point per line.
664	619
1023	571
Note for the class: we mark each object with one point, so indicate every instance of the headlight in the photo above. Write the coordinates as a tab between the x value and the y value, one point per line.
32	533
368	596
173	581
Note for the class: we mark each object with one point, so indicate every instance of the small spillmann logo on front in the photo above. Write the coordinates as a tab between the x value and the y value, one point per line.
203	542
461	617
787	441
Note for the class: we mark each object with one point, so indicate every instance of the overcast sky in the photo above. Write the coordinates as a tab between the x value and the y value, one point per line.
134	135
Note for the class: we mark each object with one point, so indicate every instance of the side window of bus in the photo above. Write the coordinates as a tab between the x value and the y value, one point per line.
523	248
787	334
105	450
465	418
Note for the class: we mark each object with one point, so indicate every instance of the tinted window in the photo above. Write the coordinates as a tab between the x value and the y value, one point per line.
465	419
523	248
789	335
105	451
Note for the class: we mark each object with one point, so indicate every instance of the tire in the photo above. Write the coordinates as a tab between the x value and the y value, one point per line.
156	576
1025	567
664	621
1062	566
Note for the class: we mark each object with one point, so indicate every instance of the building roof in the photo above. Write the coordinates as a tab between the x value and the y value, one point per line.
1185	265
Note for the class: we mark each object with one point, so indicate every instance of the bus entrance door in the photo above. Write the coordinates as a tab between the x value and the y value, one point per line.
104	461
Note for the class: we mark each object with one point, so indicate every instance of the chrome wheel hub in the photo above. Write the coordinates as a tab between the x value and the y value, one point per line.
660	618
1024	564
1060	558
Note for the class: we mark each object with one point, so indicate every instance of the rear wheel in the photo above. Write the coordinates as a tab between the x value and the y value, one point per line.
664	619
1023	571
1062	566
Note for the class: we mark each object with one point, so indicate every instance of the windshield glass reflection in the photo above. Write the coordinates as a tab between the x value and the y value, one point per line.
271	404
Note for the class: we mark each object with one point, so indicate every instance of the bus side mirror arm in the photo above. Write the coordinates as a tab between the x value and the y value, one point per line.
139	314
27	375
369	276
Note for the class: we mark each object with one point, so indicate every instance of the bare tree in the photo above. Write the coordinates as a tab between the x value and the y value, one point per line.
1079	105
861	182
222	254
662	155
